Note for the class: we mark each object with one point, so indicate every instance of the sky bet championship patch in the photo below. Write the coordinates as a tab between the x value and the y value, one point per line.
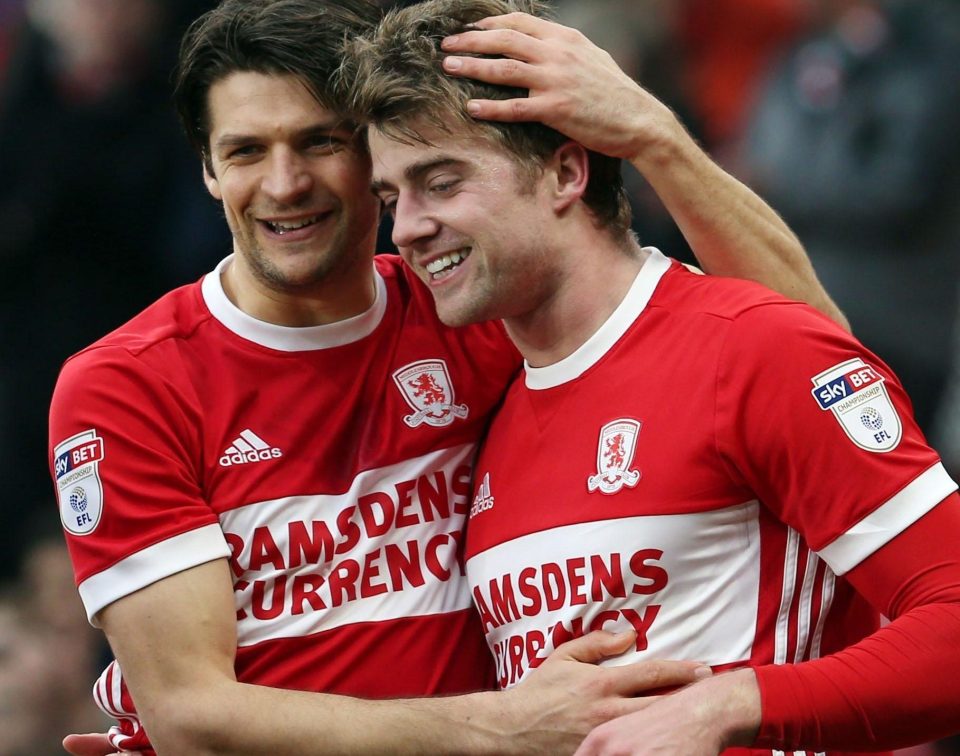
854	392
76	462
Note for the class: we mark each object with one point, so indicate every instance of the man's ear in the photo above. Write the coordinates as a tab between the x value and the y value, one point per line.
571	167
213	186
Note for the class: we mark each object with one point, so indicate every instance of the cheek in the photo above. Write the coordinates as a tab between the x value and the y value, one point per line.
234	196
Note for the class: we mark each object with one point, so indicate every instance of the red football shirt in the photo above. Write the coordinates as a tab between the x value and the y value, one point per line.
704	469
330	465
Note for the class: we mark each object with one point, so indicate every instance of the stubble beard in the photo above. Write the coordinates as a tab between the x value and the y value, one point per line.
333	257
475	303
515	291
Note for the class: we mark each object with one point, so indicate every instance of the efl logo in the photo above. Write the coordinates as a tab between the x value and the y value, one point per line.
76	466
856	395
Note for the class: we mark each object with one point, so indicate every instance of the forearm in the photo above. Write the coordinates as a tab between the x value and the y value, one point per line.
899	687
730	229
564	699
234	718
176	643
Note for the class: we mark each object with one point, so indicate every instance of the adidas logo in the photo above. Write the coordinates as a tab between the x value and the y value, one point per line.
484	499
248	447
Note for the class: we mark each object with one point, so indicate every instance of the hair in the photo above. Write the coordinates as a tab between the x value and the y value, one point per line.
303	38
392	79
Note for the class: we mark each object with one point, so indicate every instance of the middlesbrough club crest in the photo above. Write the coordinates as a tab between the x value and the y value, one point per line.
427	388
618	442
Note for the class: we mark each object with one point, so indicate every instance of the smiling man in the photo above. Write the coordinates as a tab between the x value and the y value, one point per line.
722	470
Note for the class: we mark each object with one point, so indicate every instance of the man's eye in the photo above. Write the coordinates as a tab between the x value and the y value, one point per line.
443	186
246	150
326	143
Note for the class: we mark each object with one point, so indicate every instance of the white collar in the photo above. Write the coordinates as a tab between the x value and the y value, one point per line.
287	338
608	334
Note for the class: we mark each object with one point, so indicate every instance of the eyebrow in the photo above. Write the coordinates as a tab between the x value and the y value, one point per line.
317	129
417	170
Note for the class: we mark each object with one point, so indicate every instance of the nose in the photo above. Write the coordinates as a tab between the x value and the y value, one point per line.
288	176
411	222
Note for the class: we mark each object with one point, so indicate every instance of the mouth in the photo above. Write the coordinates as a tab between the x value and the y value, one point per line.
444	265
282	227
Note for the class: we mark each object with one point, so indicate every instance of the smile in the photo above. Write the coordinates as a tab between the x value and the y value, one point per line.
285	227
443	265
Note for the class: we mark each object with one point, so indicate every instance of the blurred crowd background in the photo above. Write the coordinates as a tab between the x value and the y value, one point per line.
843	114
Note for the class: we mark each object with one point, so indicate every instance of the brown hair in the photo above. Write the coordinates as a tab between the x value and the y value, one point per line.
302	38
392	78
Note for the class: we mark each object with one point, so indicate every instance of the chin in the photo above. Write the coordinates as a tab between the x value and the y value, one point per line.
456	317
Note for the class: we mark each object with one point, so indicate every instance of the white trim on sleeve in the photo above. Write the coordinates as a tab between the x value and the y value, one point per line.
889	520
190	549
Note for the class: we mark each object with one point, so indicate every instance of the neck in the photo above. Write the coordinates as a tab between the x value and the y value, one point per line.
339	295
592	285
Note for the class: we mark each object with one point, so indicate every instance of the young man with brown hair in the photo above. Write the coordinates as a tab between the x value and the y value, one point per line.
725	471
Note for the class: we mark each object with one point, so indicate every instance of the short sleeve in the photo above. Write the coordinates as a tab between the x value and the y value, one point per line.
126	462
820	428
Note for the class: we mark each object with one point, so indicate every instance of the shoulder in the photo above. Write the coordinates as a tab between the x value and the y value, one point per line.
737	306
685	291
146	345
176	315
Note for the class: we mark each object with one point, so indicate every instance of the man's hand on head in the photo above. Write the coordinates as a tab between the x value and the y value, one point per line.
574	86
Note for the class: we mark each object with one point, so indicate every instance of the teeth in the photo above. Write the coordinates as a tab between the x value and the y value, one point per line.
449	261
282	227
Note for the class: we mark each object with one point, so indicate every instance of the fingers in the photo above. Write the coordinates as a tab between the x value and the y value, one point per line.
596	646
540	28
657	676
645	677
496	42
506	71
90	744
505	110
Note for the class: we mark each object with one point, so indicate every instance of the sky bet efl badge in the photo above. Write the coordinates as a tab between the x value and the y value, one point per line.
855	393
78	481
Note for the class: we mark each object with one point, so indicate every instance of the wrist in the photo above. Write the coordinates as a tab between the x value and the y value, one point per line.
659	138
494	721
739	695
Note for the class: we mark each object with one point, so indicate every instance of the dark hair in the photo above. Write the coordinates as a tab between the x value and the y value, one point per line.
298	37
393	79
